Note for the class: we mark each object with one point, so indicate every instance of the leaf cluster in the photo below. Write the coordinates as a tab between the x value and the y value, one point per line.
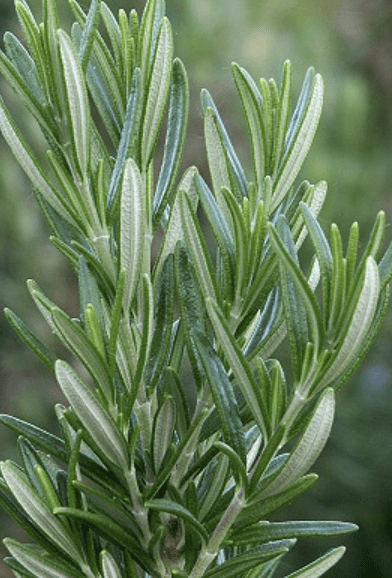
160	470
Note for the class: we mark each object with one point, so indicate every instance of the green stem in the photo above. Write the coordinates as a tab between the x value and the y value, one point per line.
211	550
139	511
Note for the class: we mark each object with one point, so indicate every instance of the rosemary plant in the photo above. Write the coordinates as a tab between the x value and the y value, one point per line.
160	470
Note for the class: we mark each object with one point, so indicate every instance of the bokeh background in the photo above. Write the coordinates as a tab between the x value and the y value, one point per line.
350	43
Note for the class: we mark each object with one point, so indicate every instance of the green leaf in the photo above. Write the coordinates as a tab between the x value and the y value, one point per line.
162	433
160	342
319	566
282	118
82	347
217	156
112	29
94	331
44	354
268	569
37	509
241	563
24	66
38	561
151	20
221	231
197	247
302	103
296	152
102	275
266	458
115	324
45	440
252	103
87	40
157	91
265	324
277	398
49	53
268	531
222	392
294	306
323	253
148	320
89	291
213	482
33	37
113	532
32	168
241	235
309	446
185	447
175	387
357	325
71	191
97	421
125	52
313	196
247	384
376	239
128	134
173	227
42	302
351	255
79	113
259	509
103	80
103	503
10	505
109	566
338	279
385	268
302	286
175	138
237	172
31	461
133	231
178	511
56	447
237	465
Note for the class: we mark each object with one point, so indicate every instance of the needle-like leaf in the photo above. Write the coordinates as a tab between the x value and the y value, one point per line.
132	229
97	421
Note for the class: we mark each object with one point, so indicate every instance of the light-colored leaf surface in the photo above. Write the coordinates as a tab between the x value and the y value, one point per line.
37	509
359	324
77	101
77	341
109	566
164	425
158	91
41	564
299	149
252	103
320	566
97	421
309	447
31	166
240	367
132	229
197	247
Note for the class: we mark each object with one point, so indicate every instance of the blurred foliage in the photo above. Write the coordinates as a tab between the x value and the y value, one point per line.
350	43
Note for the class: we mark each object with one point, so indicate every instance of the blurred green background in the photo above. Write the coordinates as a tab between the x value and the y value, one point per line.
350	43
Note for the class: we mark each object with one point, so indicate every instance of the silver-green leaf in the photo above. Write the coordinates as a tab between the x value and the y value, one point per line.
97	421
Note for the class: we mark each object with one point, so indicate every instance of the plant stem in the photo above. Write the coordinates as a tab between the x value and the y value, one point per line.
211	549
